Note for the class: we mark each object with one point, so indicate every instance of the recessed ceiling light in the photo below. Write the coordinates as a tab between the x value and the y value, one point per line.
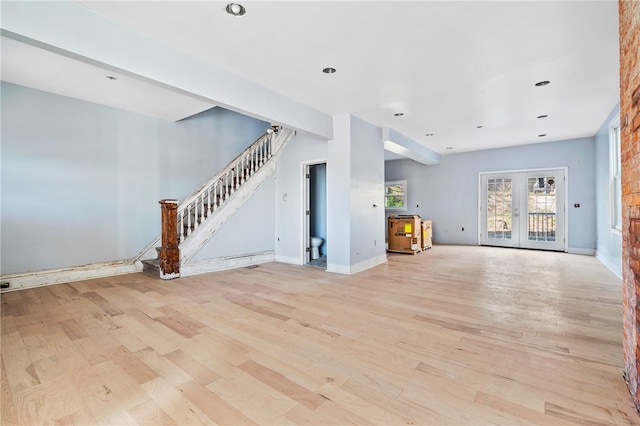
429	134
449	147
542	83
110	77
398	114
329	70
543	116
541	135
235	9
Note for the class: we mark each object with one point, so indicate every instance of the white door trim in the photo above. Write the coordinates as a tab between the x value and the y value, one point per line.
304	220
565	206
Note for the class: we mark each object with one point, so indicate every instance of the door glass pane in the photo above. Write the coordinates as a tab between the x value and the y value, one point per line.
499	202
541	208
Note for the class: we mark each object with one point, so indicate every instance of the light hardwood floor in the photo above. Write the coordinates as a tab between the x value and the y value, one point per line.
455	335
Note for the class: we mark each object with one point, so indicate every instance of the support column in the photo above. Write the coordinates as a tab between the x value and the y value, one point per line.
169	253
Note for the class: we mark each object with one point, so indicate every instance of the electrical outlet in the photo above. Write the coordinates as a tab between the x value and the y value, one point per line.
5	285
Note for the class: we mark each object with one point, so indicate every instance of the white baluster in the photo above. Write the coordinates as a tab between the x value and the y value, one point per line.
215	196
226	186
195	214
253	161
203	213
257	157
194	220
209	207
261	150
233	180
181	227
188	212
264	151
242	171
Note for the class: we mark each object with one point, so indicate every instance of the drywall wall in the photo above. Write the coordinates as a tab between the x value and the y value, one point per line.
367	193
609	241
339	196
354	183
81	182
303	149
250	230
447	193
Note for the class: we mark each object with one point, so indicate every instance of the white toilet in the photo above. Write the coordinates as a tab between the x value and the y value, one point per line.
316	242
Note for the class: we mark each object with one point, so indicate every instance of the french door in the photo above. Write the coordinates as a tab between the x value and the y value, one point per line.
523	209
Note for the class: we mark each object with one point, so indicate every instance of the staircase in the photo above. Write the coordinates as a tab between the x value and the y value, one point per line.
196	219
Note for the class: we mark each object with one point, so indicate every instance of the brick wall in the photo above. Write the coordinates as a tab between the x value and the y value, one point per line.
630	146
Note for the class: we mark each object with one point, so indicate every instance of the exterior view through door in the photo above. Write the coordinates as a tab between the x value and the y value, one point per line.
523	209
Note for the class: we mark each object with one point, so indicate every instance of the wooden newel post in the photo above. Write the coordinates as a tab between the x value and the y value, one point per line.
169	253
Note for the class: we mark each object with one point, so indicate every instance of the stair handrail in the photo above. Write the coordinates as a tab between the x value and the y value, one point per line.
231	165
210	197
260	151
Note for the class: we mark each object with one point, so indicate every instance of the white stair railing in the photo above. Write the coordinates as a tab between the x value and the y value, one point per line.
211	196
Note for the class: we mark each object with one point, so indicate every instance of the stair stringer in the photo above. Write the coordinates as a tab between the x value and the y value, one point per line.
197	240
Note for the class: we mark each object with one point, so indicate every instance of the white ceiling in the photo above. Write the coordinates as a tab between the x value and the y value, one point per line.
448	66
31	66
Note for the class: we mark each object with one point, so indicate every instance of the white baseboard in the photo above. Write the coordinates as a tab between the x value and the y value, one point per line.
584	251
358	267
225	263
288	259
71	274
369	263
339	269
606	261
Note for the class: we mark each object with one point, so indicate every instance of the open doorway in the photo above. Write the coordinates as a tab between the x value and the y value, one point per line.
315	235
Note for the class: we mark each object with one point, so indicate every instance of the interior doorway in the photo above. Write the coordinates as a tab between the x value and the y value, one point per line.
524	209
315	233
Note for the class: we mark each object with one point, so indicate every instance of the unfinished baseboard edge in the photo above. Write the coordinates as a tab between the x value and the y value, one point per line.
225	263
288	259
48	277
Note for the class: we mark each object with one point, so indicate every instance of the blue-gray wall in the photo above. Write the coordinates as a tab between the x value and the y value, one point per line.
609	241
81	182
367	192
447	193
289	204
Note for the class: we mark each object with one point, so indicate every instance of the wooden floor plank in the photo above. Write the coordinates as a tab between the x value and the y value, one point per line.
455	335
150	413
9	416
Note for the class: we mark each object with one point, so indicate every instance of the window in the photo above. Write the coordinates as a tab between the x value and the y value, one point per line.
615	175
395	195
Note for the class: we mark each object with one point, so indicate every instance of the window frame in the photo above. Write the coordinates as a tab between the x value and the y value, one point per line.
404	194
615	175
